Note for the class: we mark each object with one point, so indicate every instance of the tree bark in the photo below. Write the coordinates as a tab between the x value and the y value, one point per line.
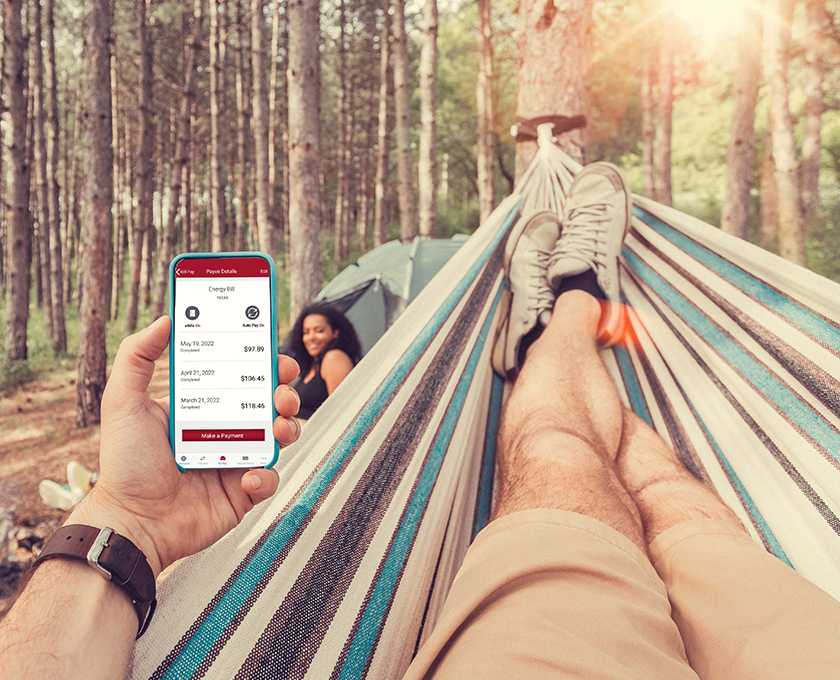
553	82
116	270
272	113
380	224
486	113
19	234
778	16
180	160
143	158
740	156
339	242
407	198
814	108
664	117
243	130
217	159
96	232
768	226
364	180
304	75
426	163
648	118
264	226
40	162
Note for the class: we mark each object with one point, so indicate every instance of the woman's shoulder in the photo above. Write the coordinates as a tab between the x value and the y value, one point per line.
335	357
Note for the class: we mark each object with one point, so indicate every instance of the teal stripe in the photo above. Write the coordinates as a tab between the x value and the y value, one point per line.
752	508
789	309
373	617
765	382
200	644
488	460
631	383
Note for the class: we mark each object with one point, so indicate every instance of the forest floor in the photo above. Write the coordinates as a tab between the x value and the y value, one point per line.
38	437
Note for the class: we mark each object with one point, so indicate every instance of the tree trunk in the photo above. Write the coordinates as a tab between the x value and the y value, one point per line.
304	153
272	112
116	270
778	16
740	156
217	160
264	227
648	119
192	219
348	197
19	234
402	95
364	180
243	130
486	113
664	116
768	226
553	82
40	158
380	224
143	177
814	108
428	82
96	232
180	160
339	248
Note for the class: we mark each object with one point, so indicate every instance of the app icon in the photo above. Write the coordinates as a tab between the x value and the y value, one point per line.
183	458
192	313
252	312
221	458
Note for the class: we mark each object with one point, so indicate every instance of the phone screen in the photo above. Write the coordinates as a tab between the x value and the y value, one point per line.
223	363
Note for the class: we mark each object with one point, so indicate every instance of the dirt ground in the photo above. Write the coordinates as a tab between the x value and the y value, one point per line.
38	437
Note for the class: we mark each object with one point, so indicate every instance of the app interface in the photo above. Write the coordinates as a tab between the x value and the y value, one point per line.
223	363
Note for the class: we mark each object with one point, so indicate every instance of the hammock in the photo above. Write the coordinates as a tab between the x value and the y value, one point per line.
733	359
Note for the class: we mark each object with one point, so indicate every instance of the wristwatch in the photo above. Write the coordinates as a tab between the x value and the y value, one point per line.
114	556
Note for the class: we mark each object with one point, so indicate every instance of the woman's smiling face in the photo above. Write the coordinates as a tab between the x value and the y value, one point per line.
317	334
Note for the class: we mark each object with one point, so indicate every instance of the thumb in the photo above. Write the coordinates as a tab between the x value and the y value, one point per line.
134	364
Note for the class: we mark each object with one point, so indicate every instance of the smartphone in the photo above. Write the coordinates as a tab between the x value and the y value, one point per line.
222	360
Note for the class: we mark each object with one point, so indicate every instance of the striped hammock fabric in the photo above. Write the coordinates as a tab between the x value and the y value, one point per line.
733	358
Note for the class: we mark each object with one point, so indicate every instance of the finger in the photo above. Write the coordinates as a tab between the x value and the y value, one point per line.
287	369
286	401
286	430
260	484
134	364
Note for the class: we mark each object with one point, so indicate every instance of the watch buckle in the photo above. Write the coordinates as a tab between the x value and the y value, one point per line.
95	551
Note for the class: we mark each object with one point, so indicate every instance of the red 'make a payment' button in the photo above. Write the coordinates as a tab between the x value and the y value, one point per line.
223	435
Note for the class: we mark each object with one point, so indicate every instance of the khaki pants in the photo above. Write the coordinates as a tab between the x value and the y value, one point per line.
555	594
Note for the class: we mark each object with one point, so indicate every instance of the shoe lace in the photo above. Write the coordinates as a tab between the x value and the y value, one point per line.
543	296
583	234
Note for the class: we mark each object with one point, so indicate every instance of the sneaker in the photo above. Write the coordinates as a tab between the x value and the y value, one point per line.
58	496
79	478
528	299
597	217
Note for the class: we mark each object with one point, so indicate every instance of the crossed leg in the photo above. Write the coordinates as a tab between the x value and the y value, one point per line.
561	583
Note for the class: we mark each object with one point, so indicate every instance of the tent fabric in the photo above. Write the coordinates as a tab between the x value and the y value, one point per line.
733	358
378	287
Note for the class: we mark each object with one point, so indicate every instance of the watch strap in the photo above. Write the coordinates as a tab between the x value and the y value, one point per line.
116	557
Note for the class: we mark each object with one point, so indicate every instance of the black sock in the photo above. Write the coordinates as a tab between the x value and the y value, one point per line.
587	282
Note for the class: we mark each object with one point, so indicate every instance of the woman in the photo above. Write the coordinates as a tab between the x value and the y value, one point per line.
325	345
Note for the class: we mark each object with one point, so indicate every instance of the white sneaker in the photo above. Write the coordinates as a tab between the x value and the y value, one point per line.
527	301
597	217
57	496
80	479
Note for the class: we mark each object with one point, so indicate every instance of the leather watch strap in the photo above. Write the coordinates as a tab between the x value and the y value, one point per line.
116	557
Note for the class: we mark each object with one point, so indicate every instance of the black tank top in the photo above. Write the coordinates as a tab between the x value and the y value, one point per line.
312	394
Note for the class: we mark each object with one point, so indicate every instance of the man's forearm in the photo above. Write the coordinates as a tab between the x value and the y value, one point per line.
70	622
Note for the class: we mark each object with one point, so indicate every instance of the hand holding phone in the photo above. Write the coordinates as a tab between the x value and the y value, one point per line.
223	369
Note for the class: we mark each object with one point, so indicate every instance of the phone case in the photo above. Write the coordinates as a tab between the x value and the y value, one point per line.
274	350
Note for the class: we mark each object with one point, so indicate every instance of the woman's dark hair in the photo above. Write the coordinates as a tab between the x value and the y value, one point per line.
347	341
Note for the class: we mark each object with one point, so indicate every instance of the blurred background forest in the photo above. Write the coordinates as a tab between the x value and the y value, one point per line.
664	85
